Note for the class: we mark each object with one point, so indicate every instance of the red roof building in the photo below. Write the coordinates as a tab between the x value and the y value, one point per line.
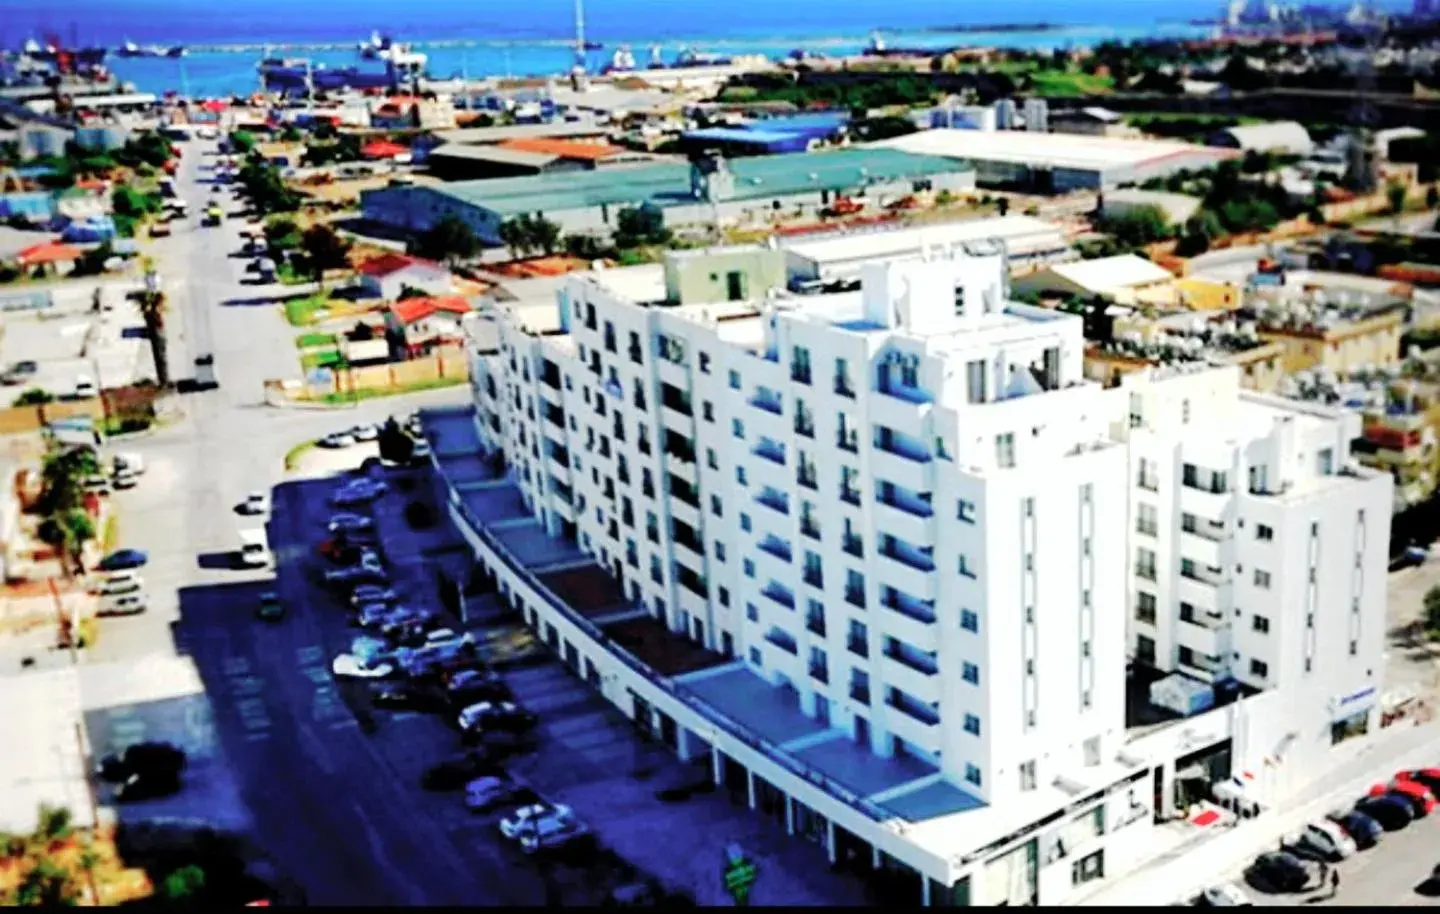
48	252
411	310
389	275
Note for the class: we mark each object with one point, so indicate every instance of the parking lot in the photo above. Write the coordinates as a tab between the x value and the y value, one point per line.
332	783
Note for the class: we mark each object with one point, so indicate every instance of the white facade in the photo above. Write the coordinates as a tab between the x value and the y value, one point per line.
905	510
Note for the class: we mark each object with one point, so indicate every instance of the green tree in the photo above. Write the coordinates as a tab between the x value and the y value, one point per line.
515	237
394	444
282	234
407	292
1432	197
586	247
266	189
183	886
448	240
324	250
636	226
35	396
46	884
129	202
68	531
544	234
243	141
1137	226
291	134
153	305
1432	611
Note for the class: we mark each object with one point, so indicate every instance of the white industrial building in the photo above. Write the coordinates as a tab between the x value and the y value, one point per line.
1028	242
911	549
1059	162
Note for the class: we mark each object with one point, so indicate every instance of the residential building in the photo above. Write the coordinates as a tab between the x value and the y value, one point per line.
1137	343
1091	121
1333	332
389	275
1125	278
419	324
868	552
1037	115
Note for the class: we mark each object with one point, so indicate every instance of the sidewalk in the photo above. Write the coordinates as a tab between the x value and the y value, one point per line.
1184	871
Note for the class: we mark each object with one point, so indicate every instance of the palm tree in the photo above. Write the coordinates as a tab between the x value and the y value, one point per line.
68	531
152	309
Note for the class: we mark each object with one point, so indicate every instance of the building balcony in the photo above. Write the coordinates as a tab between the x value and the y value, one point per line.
855	596
1206	551
910	677
1216	599
1210	640
903	524
678	417
774	500
682	469
910	621
767	474
769	450
853	545
819	672
691	555
689	601
904	470
813	578
783	640
682	510
777	548
1206	667
560	503
908	569
677	376
1208	507
779	594
860	692
557	462
905	408
552	396
915	724
860	647
767	401
815	624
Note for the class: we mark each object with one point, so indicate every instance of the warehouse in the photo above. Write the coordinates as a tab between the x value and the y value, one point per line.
1057	162
1282	137
770	136
687	194
826	258
525	156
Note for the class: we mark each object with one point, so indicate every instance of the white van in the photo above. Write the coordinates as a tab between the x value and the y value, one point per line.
119	583
1329	839
254	548
133	464
85	387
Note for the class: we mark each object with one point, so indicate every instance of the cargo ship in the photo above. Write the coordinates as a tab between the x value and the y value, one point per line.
398	66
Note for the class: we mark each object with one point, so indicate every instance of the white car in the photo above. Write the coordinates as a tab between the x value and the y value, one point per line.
525	818
552	833
337	440
257	503
348	522
364	433
474	713
348	666
1225	895
125	480
421	450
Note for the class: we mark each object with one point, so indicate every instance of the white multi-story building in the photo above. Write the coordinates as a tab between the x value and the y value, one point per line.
923	549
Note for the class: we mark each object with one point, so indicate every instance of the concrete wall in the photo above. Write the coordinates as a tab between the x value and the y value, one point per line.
21	419
699	280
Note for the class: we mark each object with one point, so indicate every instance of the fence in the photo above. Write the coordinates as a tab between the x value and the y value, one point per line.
448	363
16	420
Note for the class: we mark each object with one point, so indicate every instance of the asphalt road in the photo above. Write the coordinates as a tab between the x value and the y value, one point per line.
322	798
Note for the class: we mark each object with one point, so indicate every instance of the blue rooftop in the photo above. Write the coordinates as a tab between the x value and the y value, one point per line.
740	135
758	706
494	503
534	548
846	762
938	799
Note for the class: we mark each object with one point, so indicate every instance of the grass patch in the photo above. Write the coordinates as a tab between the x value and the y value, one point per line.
315	340
289	276
292	456
322	358
306	310
374	393
1071	83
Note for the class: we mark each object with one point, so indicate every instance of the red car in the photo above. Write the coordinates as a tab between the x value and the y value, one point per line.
1429	777
1421	800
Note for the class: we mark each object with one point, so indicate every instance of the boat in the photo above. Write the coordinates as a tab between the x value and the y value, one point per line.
692	58
178	50
594	46
292	74
622	61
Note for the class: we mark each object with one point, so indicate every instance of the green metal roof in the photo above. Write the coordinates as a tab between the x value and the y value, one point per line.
668	184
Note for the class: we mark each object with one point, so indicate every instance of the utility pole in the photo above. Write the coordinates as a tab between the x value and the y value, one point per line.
580	34
94	808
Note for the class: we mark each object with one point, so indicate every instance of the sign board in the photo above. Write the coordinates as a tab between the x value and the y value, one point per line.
738	874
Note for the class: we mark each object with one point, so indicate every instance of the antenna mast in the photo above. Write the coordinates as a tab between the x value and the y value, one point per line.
580	33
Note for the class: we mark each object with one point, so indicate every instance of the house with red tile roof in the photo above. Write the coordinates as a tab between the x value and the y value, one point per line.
389	275
418	325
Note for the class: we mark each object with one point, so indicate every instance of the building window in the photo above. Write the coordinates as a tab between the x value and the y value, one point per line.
966	511
1325	462
740	475
966	571
1145	563
745	522
751	612
1005	450
972	725
734	380
715	508
719	551
1088	869
755	656
704	363
1147	477
975	381
707	410
711	460
724	597
1146	519
969	621
749	568
1262	579
1259	668
737	428
1145	608
972	774
1027	776
1263	533
970	673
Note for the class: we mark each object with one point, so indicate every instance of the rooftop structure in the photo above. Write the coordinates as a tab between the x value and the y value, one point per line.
1286	137
1120	278
1185	341
1177	208
840	255
1057	162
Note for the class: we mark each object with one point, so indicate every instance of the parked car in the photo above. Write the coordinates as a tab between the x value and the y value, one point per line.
371	572
125	480
336	440
409	633
1225	895
1326	841
131	604
555	834
256	503
1280	871
403	617
349	666
502	715
19	373
405	697
455	773
372	593
347	522
1362	829
364	433
118	584
123	560
147	787
357	492
487	793
1392	812
147	758
270	608
1430	777
521	819
1420	798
